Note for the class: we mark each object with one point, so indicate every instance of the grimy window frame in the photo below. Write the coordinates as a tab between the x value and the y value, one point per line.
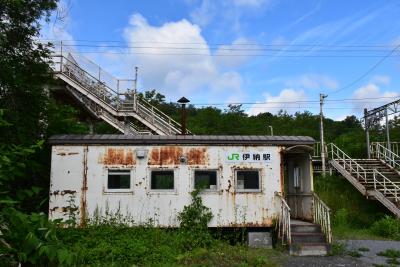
217	179
173	190
119	190
259	190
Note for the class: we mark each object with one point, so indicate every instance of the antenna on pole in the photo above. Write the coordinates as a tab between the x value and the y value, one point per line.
135	88
321	116
136	75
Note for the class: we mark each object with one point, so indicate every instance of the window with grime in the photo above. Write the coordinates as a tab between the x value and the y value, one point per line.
248	180
162	180
119	180
206	180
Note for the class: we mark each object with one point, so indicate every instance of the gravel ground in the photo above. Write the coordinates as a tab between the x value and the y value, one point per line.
342	261
368	258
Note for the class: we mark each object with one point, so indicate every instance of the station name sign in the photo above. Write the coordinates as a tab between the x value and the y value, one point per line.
247	157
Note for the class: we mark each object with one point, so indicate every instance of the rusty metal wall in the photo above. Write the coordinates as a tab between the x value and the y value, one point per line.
81	172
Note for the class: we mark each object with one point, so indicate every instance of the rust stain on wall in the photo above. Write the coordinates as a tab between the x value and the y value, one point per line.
118	156
84	189
168	155
197	156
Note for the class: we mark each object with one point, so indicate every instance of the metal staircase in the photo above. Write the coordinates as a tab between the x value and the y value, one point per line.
305	238
376	178
113	100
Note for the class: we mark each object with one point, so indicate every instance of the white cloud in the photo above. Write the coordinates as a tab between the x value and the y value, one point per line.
177	74
371	97
307	81
284	101
381	79
236	54
204	14
312	81
227	13
250	3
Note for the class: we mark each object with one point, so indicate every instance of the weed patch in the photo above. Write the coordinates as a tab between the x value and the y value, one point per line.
354	253
338	248
387	227
390	253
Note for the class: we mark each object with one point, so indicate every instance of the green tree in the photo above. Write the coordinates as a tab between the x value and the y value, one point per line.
24	69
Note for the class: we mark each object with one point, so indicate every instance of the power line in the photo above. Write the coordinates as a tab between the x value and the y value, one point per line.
299	101
371	69
220	44
233	55
231	48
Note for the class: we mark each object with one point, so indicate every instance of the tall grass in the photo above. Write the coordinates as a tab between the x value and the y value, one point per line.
354	216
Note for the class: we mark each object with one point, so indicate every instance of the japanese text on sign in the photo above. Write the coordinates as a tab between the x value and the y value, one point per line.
248	157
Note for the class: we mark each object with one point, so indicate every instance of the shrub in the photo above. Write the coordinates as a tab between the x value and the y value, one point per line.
387	227
338	248
341	218
194	220
30	239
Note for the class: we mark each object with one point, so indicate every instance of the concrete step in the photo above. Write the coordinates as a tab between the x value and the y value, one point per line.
299	228
308	238
309	249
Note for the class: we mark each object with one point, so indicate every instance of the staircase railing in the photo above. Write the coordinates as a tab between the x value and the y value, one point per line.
321	216
381	152
388	187
393	146
109	93
283	223
350	165
317	150
159	117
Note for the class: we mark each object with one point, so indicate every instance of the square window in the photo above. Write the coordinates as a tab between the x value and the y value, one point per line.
248	180
162	180
119	179
205	179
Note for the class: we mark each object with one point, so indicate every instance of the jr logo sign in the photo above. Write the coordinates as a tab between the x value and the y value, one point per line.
248	157
234	156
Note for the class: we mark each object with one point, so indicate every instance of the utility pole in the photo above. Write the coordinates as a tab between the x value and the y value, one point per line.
387	130
321	116
272	130
135	89
366	122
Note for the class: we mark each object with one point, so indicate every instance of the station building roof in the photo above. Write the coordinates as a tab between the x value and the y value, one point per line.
120	139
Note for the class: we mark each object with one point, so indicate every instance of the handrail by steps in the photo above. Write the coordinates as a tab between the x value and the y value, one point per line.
321	216
383	181
283	223
152	114
388	156
393	146
317	150
339	156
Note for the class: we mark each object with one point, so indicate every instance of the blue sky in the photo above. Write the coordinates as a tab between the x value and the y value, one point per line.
279	53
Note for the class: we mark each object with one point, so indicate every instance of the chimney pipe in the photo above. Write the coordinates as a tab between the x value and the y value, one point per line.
183	101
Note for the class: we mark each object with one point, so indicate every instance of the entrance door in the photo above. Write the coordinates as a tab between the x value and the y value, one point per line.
298	185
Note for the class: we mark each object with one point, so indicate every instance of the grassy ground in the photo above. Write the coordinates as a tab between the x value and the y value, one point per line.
116	246
354	216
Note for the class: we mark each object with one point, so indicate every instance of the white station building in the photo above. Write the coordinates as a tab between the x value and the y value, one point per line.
149	178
